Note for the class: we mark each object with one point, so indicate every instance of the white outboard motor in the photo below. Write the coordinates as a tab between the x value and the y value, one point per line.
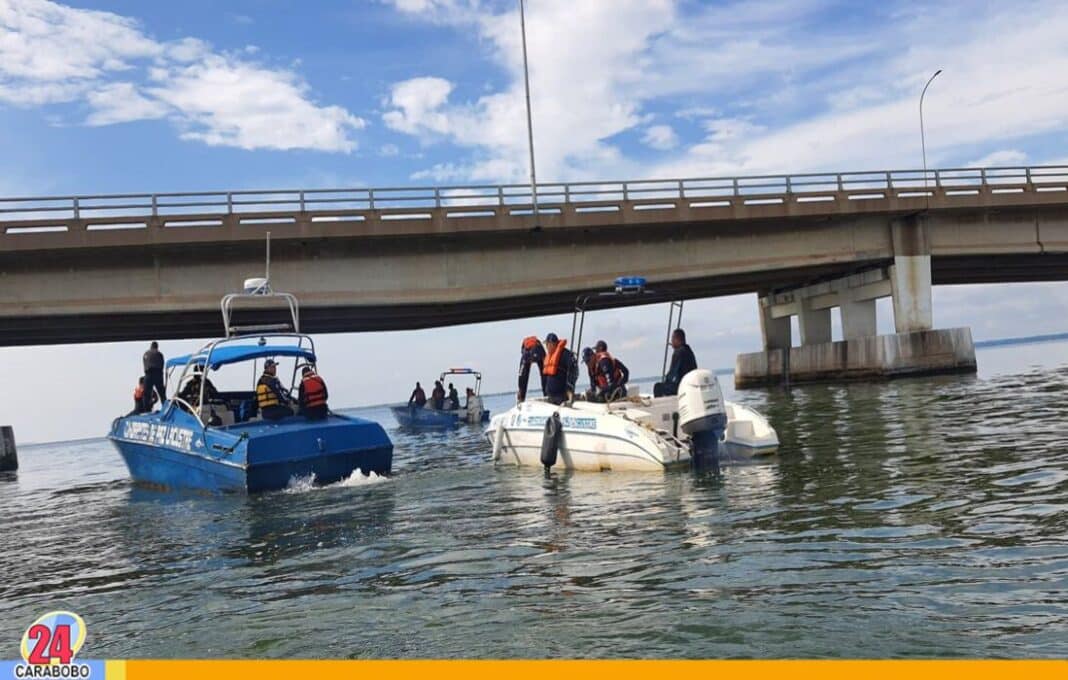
702	415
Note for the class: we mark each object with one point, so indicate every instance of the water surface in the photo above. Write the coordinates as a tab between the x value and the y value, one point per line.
916	518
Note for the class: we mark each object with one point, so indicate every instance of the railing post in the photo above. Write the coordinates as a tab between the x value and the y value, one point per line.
567	194
682	190
982	176
155	206
437	198
890	181
938	179
500	196
77	210
371	199
789	185
229	203
1027	176
841	188
625	194
735	186
302	201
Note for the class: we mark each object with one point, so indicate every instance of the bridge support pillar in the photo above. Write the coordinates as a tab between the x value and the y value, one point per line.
9	459
915	349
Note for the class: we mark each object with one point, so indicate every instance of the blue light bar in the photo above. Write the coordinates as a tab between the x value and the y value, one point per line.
630	284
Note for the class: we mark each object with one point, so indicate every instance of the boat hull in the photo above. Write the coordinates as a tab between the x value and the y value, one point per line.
637	436
174	451
415	417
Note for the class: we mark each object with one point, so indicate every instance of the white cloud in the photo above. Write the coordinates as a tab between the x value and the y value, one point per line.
224	101
417	106
51	53
121	103
660	137
388	150
1004	157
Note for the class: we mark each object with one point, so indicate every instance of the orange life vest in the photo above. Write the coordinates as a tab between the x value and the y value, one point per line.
530	342
314	391
601	378
139	392
552	362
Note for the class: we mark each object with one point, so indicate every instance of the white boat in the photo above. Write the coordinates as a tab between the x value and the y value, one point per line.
640	432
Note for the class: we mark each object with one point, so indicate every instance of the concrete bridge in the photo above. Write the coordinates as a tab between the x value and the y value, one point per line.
139	266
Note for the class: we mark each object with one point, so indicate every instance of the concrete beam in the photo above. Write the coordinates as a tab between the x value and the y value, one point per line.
858	319
814	324
776	331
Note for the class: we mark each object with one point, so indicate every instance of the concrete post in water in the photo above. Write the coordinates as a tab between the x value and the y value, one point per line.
9	461
814	323
776	332
858	319
910	275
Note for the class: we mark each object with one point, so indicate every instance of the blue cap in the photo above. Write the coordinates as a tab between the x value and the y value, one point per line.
551	337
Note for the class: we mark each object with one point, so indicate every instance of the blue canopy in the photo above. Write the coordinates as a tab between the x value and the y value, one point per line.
232	354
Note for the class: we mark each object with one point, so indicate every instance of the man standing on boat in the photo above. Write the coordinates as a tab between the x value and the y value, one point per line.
682	362
533	352
312	395
153	365
608	375
273	400
418	398
560	370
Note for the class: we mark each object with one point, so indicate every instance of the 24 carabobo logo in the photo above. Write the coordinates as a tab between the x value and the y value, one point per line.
49	646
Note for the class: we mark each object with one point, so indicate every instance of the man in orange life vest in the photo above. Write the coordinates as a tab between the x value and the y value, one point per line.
608	375
559	371
312	395
533	352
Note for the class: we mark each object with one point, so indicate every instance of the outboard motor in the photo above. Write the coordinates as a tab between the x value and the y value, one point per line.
550	441
703	416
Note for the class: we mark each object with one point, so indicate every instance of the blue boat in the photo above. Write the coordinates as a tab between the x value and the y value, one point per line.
219	442
425	417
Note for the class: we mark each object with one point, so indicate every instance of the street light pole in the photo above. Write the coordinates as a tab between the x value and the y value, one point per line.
530	118
923	141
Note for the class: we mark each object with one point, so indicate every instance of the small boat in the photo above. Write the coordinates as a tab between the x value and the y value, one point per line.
639	432
426	417
224	445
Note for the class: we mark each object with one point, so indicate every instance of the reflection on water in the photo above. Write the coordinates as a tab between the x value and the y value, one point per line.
912	518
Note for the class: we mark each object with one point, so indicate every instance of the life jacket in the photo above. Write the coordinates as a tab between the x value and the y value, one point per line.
139	393
530	342
265	396
602	379
552	362
314	391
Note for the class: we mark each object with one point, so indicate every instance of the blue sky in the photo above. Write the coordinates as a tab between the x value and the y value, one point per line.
134	96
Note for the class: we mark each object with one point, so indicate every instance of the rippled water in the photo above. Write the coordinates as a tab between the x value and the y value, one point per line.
913	518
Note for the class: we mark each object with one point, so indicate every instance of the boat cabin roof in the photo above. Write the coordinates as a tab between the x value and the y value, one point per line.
233	354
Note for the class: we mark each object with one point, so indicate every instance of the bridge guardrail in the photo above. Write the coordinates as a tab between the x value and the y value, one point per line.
126	211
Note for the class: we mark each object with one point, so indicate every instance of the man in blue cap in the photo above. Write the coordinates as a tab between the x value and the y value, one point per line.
560	370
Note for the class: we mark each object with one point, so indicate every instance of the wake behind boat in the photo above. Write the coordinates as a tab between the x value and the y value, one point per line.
221	441
636	432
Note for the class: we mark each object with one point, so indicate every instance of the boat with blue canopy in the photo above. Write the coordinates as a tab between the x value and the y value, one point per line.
217	440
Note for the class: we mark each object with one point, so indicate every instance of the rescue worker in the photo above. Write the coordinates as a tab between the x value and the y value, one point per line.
418	397
152	362
682	362
437	397
139	398
191	391
273	400
608	375
454	398
559	371
533	352
312	395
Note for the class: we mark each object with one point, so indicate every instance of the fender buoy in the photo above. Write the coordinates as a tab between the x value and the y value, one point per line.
550	441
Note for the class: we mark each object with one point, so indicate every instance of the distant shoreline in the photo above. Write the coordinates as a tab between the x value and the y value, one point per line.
1025	340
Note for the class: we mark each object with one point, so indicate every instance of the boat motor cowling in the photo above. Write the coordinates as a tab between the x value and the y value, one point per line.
702	414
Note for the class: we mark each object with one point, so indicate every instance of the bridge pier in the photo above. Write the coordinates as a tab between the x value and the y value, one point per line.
915	349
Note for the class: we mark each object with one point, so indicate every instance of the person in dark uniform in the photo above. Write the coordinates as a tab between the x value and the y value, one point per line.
454	398
312	395
608	375
152	362
682	362
559	371
418	398
532	353
274	401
